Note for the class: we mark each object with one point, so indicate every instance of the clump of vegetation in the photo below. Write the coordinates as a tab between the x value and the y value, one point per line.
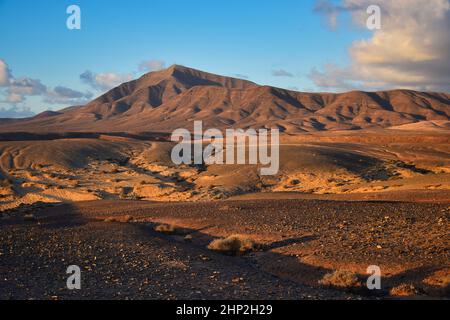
127	218
129	196
166	228
404	290
233	245
6	183
124	219
29	217
341	279
134	196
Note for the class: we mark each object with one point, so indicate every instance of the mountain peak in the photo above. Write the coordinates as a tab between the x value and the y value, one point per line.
187	77
179	67
174	97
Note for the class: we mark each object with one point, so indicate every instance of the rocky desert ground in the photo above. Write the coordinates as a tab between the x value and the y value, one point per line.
335	206
364	180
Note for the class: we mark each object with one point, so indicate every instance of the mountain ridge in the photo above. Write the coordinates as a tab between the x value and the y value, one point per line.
175	97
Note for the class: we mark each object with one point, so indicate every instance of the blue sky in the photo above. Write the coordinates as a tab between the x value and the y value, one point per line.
253	38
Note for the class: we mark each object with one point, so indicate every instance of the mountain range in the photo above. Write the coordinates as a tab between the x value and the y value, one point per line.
173	98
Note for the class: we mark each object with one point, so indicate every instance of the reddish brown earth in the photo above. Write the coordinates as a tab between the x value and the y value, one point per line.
364	179
301	241
173	98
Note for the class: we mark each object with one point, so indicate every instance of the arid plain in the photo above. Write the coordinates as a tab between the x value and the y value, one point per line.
364	180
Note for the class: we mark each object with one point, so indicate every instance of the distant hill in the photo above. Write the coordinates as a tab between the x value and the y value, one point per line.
173	98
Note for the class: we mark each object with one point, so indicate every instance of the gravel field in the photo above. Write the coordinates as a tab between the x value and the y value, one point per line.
122	257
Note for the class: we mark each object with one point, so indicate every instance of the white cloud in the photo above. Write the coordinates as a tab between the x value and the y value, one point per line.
15	112
242	76
16	90
26	87
14	98
332	10
152	65
5	73
64	95
104	81
412	49
332	76
281	73
107	80
69	93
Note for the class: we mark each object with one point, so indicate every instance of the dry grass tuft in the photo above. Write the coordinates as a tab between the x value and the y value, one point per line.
166	229
127	218
341	279
233	245
438	283
123	219
29	217
404	290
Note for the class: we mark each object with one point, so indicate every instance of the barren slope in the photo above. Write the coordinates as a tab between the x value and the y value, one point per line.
175	97
340	163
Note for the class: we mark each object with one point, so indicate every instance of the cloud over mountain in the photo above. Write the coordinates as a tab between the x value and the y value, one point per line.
5	73
104	81
282	73
64	95
411	50
14	91
15	112
152	65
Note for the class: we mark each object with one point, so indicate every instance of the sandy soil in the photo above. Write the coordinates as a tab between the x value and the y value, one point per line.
111	167
342	201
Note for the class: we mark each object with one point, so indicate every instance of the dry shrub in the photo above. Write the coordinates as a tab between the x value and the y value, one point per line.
404	290
438	284
166	228
341	279
123	219
127	218
440	278
233	245
129	196
29	217
6	183
174	264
